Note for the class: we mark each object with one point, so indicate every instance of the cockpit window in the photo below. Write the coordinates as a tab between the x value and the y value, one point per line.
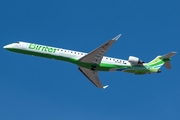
17	42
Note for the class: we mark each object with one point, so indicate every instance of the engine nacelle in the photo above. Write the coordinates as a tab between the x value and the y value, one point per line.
135	61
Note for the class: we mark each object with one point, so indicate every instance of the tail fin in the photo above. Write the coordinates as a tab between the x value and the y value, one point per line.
162	60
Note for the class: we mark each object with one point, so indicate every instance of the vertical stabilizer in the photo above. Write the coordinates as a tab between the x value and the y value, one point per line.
162	60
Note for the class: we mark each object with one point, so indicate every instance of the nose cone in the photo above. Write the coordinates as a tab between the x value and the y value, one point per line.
7	46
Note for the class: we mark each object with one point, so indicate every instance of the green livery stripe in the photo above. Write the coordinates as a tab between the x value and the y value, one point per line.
157	61
45	55
101	67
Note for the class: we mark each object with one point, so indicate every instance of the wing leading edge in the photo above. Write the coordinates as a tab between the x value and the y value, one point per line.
95	58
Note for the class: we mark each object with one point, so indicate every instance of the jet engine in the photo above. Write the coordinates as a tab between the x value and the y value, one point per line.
135	61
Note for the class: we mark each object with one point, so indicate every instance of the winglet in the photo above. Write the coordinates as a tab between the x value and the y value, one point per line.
117	37
104	87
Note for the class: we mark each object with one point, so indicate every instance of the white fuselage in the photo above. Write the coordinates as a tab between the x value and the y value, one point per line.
25	46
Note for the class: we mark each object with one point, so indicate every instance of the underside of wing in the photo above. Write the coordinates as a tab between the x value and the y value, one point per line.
95	58
96	55
92	76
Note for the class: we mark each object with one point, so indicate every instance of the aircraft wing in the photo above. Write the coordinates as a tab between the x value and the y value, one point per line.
92	76
96	55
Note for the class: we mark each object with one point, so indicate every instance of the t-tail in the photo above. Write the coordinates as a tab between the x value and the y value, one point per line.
162	60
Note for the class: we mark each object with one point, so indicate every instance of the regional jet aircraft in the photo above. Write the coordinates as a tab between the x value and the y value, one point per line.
93	62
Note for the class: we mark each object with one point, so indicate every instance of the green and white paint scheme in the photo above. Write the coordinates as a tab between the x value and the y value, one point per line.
90	63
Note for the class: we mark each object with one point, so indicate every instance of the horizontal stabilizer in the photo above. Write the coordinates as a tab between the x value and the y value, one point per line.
166	58
169	55
167	64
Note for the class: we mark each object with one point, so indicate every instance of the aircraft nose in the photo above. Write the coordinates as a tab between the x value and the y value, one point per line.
7	46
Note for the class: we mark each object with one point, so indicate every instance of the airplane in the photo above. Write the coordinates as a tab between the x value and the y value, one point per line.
93	62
